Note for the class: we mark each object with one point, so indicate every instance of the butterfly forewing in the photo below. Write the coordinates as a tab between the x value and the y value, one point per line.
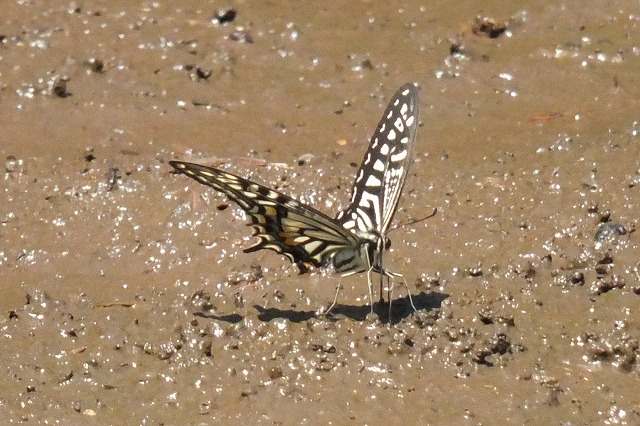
381	176
303	234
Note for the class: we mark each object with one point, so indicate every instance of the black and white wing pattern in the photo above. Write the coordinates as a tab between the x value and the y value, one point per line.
383	171
303	234
355	240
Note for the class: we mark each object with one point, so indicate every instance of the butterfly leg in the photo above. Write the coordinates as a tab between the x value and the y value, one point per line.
335	300
370	285
382	287
390	284
393	275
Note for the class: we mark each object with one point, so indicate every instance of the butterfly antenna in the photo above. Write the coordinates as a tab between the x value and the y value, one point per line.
414	221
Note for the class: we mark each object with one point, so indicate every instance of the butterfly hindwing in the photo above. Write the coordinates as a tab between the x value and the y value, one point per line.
304	235
381	175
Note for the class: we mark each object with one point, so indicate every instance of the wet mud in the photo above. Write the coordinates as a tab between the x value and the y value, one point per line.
126	295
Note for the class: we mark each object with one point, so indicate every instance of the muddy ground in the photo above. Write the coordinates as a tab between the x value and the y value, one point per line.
126	298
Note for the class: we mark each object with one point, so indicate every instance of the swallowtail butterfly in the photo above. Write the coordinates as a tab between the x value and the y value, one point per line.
356	239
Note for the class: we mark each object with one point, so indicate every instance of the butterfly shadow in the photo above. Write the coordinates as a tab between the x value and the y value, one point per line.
400	309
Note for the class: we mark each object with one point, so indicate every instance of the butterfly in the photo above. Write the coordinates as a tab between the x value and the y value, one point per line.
356	239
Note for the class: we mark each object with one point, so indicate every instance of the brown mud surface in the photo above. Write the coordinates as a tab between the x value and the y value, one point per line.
126	298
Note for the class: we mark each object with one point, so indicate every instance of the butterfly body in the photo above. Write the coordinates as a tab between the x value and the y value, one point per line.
356	239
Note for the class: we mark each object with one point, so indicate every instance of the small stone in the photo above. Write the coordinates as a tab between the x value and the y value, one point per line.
224	16
609	230
11	164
